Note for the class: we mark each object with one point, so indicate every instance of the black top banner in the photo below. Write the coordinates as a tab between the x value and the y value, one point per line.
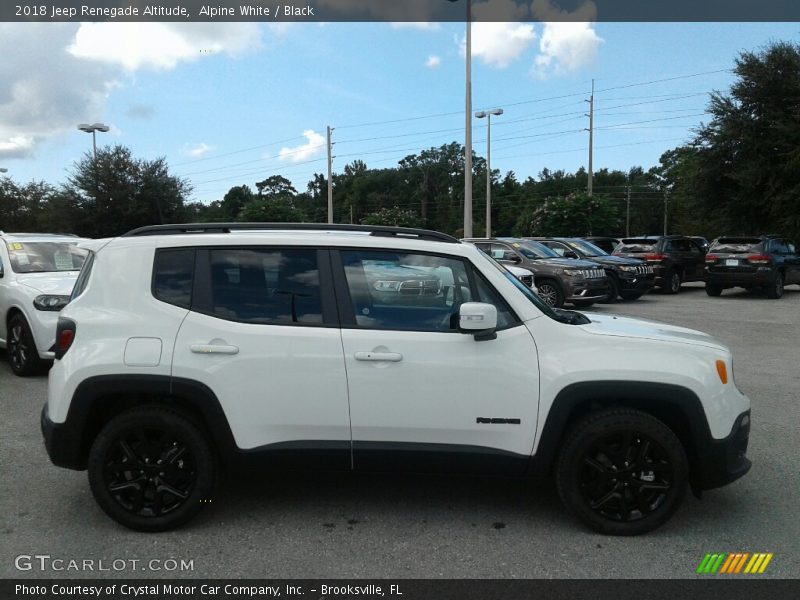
401	10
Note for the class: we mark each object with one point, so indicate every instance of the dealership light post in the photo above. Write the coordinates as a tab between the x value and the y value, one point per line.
93	129
468	127
487	114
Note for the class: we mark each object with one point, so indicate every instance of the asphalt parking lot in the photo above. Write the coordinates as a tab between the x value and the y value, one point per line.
343	526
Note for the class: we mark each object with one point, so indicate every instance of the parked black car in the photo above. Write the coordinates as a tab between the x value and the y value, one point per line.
629	278
606	243
766	261
558	280
676	259
702	242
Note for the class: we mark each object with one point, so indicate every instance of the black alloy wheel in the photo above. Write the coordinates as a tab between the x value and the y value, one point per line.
673	282
151	469
775	289
623	472
613	290
22	353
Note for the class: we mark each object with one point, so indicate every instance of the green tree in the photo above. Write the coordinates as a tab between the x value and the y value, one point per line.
394	216
574	214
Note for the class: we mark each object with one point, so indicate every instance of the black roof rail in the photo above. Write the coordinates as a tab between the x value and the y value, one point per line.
376	230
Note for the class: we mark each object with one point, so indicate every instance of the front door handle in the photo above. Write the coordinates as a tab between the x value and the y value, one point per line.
213	349
379	356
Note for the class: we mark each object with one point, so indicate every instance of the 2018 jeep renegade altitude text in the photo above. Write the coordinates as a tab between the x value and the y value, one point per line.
186	350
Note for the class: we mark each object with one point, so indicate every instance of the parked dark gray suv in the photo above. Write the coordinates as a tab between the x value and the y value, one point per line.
559	280
629	278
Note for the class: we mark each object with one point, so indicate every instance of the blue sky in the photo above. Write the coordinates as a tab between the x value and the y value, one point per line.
230	104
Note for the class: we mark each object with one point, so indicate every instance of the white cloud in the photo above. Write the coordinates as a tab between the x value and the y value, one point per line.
566	47
433	62
162	45
314	145
198	150
421	25
45	91
499	44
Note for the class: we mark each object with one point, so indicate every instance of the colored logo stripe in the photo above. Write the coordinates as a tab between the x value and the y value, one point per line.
734	562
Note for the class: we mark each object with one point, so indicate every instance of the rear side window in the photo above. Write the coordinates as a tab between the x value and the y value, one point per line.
83	278
173	274
266	286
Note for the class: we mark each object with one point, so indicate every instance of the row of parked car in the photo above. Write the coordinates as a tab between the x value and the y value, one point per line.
38	272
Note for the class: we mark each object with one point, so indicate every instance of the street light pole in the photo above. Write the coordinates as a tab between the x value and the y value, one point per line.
468	136
487	114
93	129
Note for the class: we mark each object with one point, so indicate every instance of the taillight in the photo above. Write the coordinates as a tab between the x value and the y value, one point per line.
65	335
711	258
758	259
654	257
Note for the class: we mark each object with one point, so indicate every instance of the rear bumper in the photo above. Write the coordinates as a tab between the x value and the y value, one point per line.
61	442
720	462
763	276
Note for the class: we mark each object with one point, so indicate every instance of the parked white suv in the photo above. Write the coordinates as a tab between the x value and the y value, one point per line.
37	272
190	349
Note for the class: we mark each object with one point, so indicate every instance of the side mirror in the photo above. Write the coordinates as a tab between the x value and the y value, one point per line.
511	257
479	319
570	254
2	272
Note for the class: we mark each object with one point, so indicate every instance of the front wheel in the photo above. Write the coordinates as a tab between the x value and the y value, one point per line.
673	282
22	353
631	295
151	469
613	290
622	471
713	290
550	293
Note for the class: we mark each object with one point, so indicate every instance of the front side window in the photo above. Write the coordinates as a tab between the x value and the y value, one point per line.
45	257
414	292
266	286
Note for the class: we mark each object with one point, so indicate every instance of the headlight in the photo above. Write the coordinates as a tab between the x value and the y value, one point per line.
50	302
574	272
627	269
386	286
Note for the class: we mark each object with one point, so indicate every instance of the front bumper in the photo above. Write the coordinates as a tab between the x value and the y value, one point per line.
587	290
62	443
637	284
720	462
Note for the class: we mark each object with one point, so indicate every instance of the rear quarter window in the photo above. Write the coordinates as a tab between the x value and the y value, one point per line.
636	246
736	246
173	274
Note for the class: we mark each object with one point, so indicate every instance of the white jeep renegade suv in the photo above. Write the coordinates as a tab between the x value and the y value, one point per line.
189	349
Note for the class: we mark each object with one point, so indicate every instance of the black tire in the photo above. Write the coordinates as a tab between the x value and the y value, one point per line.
631	295
775	289
23	356
613	291
550	292
713	290
622	471
133	487
672	282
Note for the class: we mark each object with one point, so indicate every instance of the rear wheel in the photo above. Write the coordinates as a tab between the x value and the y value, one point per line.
551	293
622	471
713	290
673	282
151	469
775	289
22	353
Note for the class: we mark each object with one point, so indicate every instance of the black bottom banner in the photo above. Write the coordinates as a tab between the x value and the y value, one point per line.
401	589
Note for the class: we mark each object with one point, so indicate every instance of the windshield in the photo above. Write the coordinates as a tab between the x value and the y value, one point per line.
45	257
736	245
585	248
533	250
529	294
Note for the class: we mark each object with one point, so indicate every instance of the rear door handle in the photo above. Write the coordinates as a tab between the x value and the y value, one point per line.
213	349
379	356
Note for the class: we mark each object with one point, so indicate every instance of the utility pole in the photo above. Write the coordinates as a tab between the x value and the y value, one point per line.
591	139
330	177
666	205
628	210
468	134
